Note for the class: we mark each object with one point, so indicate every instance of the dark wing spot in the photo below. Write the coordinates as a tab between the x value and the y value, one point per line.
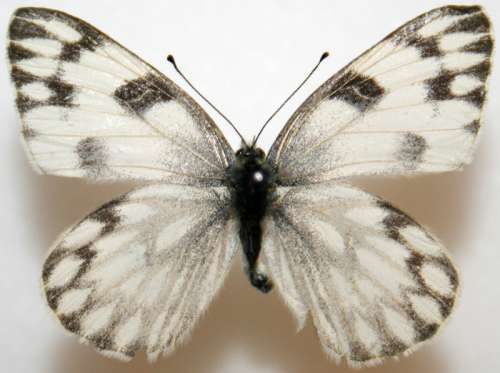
483	45
90	41
358	352
103	341
393	347
427	47
476	97
394	221
357	90
458	10
21	77
141	94
21	29
17	53
92	154
439	87
478	23
480	71
473	127
25	103
412	148
62	92
71	322
107	215
28	133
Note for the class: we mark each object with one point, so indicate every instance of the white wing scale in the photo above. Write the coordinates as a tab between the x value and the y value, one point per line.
140	271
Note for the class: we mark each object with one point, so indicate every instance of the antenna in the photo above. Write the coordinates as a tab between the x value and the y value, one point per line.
171	59
323	56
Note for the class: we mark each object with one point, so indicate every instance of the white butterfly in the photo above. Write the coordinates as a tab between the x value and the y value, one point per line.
140	270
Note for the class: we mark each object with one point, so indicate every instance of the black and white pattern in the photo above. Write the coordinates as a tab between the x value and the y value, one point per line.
92	109
409	105
139	271
375	283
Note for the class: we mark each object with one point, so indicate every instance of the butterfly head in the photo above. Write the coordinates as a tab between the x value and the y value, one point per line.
250	153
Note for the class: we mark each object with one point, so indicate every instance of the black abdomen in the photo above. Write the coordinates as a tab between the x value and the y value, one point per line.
251	183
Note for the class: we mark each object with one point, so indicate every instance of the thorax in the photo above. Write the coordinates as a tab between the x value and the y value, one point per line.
251	182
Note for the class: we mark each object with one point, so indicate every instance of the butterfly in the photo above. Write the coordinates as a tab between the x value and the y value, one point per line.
138	272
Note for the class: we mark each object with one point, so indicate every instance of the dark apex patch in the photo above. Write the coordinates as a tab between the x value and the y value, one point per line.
458	10
412	148
21	77
483	45
478	23
17	53
480	71
427	47
35	13
21	29
25	103
92	155
473	127
357	90
141	94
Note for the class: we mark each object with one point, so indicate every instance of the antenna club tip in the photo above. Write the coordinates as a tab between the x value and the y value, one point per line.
324	55
171	59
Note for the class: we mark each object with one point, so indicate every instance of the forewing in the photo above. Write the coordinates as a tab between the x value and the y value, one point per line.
90	108
409	105
376	284
139	271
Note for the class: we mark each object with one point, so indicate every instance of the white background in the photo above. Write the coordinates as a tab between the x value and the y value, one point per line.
247	56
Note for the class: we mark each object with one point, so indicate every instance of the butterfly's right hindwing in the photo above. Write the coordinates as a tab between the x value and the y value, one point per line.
90	108
139	271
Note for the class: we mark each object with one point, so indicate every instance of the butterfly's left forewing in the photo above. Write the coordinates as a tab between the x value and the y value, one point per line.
92	109
375	283
139	271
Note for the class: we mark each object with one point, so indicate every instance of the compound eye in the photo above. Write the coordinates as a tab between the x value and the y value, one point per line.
238	152
260	153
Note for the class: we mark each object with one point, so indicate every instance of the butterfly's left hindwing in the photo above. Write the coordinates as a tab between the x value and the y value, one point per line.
375	283
139	271
90	108
410	105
